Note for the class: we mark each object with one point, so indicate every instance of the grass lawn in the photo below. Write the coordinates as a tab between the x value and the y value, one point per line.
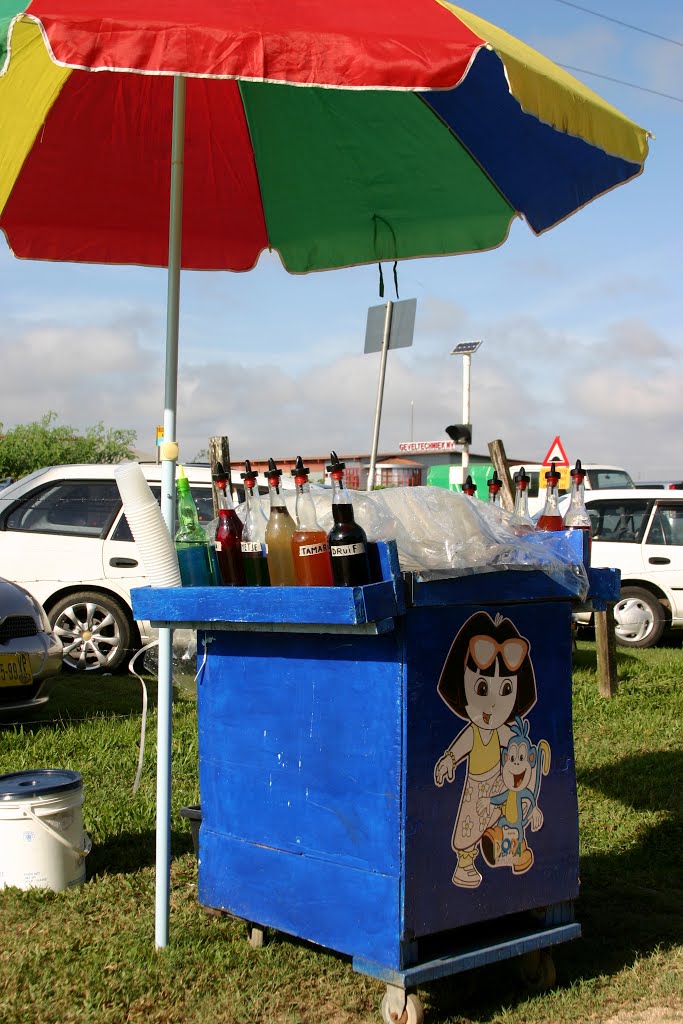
87	955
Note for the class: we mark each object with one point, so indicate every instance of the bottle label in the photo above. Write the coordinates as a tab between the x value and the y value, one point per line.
218	546
313	549
252	547
344	550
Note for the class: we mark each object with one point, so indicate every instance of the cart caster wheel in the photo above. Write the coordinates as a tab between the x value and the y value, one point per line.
255	935
399	1008
538	970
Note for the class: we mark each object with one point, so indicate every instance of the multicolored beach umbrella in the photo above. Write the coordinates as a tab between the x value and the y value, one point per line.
197	133
336	134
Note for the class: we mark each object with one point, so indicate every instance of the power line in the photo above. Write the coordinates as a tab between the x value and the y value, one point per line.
619	81
624	24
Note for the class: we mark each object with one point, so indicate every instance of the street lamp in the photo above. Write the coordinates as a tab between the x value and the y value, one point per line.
466	349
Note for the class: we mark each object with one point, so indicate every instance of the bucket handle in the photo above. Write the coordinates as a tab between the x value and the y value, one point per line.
87	841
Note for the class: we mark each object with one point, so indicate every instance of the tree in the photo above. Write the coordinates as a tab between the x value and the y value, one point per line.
31	446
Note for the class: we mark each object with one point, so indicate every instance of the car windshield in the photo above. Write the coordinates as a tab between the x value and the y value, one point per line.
618	521
603	479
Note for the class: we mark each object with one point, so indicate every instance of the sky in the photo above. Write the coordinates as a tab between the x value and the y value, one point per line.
580	328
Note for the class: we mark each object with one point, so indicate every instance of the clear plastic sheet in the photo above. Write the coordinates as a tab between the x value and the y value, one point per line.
441	534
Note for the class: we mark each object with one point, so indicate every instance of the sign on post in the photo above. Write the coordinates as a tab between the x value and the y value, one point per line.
402	325
388	326
558	455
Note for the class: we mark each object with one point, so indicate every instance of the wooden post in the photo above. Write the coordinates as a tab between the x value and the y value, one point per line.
606	648
219	451
500	464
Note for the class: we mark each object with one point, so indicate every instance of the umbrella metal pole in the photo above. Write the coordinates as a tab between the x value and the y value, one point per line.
380	394
168	464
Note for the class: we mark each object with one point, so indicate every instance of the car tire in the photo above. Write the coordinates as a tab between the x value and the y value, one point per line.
638	618
95	629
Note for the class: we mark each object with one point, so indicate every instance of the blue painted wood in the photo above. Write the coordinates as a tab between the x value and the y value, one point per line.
320	814
337	906
503	585
432	903
300	740
604	584
466	960
191	605
194	606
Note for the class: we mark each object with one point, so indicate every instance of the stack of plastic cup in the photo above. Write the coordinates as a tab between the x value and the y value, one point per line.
150	533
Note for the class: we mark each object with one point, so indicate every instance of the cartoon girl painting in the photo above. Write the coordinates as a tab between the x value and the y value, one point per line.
488	680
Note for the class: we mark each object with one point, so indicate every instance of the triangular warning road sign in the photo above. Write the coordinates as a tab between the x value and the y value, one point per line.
556	454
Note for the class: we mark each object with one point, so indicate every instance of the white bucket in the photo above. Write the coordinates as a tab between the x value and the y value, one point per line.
42	842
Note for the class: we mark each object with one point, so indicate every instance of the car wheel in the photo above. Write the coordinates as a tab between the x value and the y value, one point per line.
638	618
95	630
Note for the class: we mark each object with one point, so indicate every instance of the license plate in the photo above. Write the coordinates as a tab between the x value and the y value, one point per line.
15	670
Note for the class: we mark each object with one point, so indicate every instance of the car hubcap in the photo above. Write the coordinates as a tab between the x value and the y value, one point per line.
90	635
633	620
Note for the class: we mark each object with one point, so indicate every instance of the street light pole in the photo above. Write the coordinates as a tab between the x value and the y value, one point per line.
466	349
466	366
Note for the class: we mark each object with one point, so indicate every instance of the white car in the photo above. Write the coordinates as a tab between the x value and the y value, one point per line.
598	478
64	537
639	532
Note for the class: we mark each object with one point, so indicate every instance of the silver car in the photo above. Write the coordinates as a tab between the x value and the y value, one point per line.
30	653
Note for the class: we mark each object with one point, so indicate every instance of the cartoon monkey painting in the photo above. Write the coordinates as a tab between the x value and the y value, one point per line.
522	765
488	680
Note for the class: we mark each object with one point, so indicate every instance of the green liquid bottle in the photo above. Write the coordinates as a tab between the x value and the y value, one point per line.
192	543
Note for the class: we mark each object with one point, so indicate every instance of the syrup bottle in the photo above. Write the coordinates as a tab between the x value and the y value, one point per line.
254	533
228	541
348	542
192	543
279	532
494	485
311	551
551	518
520	520
576	517
469	487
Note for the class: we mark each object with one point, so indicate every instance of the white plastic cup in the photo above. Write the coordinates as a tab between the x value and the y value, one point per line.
132	485
150	533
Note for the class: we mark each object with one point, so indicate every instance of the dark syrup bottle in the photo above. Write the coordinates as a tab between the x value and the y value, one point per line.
228	534
254	532
347	540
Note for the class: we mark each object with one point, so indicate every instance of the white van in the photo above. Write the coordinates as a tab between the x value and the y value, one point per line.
598	478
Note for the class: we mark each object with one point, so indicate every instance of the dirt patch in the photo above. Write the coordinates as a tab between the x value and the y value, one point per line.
653	1015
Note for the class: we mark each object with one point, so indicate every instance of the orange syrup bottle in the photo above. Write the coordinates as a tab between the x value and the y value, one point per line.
551	518
310	548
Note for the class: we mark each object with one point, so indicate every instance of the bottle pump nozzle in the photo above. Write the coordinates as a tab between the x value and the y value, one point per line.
220	477
300	469
335	465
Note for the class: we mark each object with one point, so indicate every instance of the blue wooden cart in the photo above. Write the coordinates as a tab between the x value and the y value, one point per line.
388	771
